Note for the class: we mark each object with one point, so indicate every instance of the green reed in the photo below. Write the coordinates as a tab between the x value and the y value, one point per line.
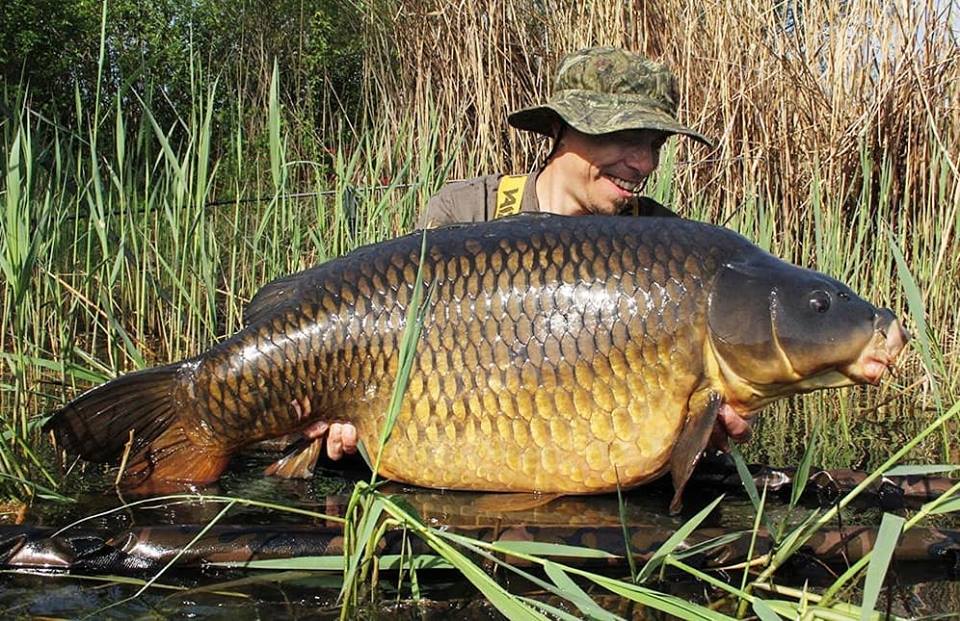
145	249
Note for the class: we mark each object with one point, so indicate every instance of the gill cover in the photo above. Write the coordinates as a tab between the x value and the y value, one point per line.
775	323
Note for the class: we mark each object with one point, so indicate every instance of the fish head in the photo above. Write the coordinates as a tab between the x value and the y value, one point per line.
778	329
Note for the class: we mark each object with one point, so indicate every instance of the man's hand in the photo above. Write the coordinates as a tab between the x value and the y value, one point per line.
729	426
341	437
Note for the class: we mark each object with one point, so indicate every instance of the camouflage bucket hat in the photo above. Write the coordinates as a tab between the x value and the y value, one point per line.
605	89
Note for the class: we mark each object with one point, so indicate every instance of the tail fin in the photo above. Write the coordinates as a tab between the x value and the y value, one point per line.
97	424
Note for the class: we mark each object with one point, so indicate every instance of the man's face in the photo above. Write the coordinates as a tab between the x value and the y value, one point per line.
606	171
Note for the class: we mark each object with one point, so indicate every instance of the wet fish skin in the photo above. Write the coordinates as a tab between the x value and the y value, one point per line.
557	355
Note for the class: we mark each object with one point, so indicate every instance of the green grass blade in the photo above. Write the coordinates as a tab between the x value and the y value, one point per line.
273	107
496	594
675	540
748	483
550	549
499	597
795	539
40	491
660	601
710	544
890	529
369	522
920	470
622	513
802	476
110	579
917	310
169	155
407	354
575	594
764	612
947	507
487	552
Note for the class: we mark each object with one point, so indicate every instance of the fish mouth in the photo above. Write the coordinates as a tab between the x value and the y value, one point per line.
881	352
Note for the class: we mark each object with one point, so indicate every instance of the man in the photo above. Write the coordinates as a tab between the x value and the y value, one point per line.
610	114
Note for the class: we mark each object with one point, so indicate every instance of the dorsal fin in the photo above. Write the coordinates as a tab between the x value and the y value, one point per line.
271	297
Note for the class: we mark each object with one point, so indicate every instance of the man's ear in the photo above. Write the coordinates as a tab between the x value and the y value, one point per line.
556	129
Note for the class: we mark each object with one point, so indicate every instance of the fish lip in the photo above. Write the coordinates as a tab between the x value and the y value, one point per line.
880	354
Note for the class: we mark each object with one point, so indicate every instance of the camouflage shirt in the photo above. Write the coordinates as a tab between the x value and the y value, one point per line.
475	200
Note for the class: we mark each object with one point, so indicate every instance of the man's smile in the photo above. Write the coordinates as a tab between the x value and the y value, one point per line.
632	187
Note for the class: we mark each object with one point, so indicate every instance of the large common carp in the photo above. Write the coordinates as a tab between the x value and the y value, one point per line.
558	354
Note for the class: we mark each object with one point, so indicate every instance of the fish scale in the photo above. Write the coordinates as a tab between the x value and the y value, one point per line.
563	355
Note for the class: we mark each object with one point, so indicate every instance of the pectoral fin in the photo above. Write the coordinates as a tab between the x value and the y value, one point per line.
299	460
702	411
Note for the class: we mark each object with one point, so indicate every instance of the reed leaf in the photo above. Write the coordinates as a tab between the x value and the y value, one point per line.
749	485
802	476
660	601
948	507
540	548
553	611
765	612
708	545
622	514
918	312
914	470
407	353
890	529
675	540
577	596
362	540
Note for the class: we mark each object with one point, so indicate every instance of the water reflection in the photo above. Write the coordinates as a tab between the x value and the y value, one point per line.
152	533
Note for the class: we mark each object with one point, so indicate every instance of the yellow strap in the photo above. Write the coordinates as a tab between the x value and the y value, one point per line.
509	195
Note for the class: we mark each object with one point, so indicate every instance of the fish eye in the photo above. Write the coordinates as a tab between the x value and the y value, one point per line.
820	301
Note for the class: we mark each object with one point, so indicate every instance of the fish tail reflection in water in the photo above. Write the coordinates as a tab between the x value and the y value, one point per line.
558	355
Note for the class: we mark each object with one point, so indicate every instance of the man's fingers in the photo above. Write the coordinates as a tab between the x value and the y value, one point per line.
341	437
316	430
737	428
335	441
349	435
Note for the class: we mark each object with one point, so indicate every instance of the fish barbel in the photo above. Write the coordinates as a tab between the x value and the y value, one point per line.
557	354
